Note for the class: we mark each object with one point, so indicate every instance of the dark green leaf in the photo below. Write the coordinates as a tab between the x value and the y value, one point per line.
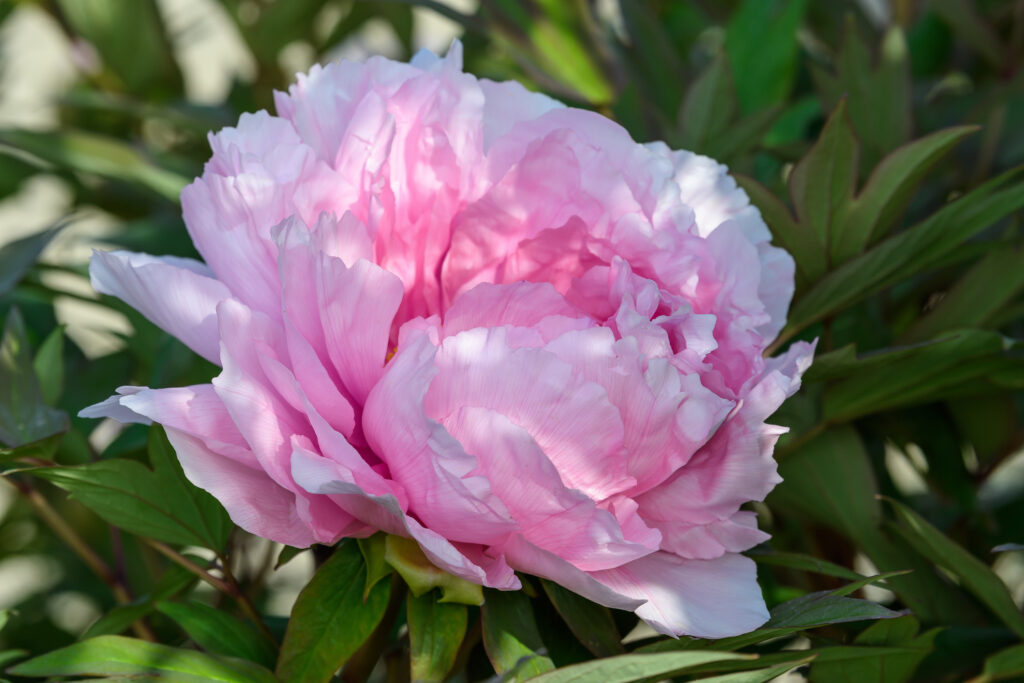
158	503
871	664
510	636
796	237
591	623
888	190
117	655
24	417
219	633
822	183
964	20
990	284
132	41
102	156
709	106
18	256
878	89
804	563
1003	665
910	252
974	575
826	607
436	630
660	66
49	366
634	667
374	554
288	553
761	39
758	675
913	375
330	619
115	622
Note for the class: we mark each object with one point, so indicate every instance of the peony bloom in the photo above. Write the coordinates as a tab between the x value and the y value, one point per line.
460	312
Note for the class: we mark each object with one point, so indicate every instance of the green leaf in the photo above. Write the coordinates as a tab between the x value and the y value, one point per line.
117	655
805	563
635	667
761	40
994	281
758	675
910	252
658	61
974	575
436	630
889	189
374	554
1003	665
330	619
103	156
871	664
830	480
878	89
288	553
131	40
964	20
220	633
511	638
18	256
43	449
827	607
159	503
823	181
405	557
24	417
796	237
709	105
49	366
174	580
913	375
591	623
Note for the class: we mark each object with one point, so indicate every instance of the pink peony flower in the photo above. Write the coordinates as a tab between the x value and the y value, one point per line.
459	312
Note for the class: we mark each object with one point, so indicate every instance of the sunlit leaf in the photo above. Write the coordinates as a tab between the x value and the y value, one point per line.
108	655
634	667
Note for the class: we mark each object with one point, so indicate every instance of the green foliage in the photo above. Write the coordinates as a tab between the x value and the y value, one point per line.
885	156
159	503
115	655
331	619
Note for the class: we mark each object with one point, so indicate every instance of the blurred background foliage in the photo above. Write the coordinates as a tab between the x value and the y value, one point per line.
882	140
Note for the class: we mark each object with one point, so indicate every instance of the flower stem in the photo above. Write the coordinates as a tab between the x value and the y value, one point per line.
63	530
228	585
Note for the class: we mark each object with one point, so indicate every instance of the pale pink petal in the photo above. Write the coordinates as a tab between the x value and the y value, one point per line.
322	476
571	419
357	306
178	295
558	519
704	598
444	492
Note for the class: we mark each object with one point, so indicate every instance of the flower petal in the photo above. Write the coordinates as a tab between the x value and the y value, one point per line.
704	598
178	295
